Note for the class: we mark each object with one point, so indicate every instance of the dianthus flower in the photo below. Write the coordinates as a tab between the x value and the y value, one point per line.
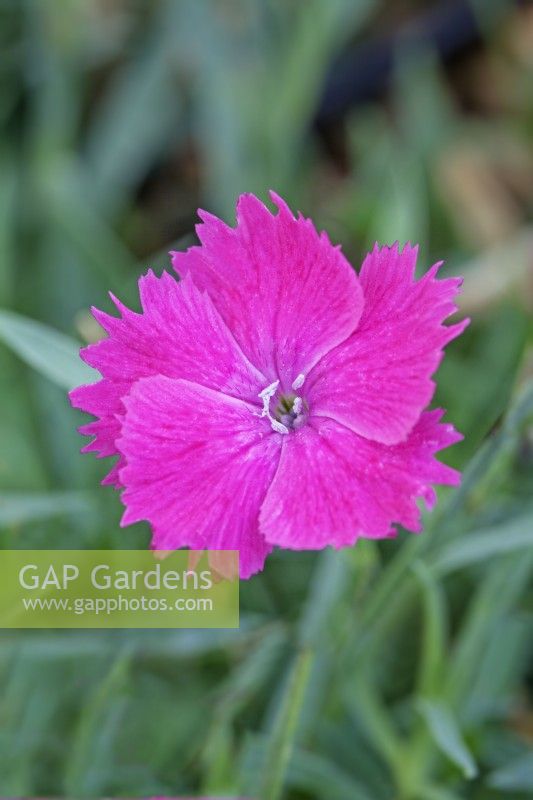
272	396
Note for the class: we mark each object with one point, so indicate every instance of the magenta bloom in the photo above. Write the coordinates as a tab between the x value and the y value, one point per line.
272	396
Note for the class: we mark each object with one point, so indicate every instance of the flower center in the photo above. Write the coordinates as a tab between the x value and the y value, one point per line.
290	409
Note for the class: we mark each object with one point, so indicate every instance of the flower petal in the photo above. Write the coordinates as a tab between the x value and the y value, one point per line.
198	467
103	400
179	334
333	486
378	381
287	294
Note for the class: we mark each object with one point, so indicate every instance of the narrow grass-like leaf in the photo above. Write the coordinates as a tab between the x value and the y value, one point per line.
365	704
432	792
328	583
434	630
53	354
517	776
285	726
311	773
321	776
505	660
77	216
447	736
495	597
139	116
243	684
477	546
521	409
90	746
8	186
19	508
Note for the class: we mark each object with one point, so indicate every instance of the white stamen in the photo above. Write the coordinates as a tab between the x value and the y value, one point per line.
266	395
298	381
297	405
279	427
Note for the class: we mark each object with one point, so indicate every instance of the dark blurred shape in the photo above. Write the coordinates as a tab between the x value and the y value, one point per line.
364	72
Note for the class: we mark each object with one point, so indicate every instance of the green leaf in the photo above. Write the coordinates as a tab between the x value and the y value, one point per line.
434	631
503	440
8	187
48	351
431	792
246	680
495	598
367	707
447	736
500	670
521	409
283	733
76	216
310	772
516	776
91	747
140	114
22	462
18	508
480	545
327	585
486	375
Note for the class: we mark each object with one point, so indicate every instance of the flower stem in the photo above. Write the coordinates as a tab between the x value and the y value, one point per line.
285	727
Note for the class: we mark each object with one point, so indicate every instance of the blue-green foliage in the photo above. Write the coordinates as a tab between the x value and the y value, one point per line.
391	670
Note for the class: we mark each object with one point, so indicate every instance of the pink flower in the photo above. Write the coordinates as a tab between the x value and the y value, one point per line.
272	396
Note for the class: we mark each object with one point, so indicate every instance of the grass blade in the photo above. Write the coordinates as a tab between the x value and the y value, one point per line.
50	352
447	735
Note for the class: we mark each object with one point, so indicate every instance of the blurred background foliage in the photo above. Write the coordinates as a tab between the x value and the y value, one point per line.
394	670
